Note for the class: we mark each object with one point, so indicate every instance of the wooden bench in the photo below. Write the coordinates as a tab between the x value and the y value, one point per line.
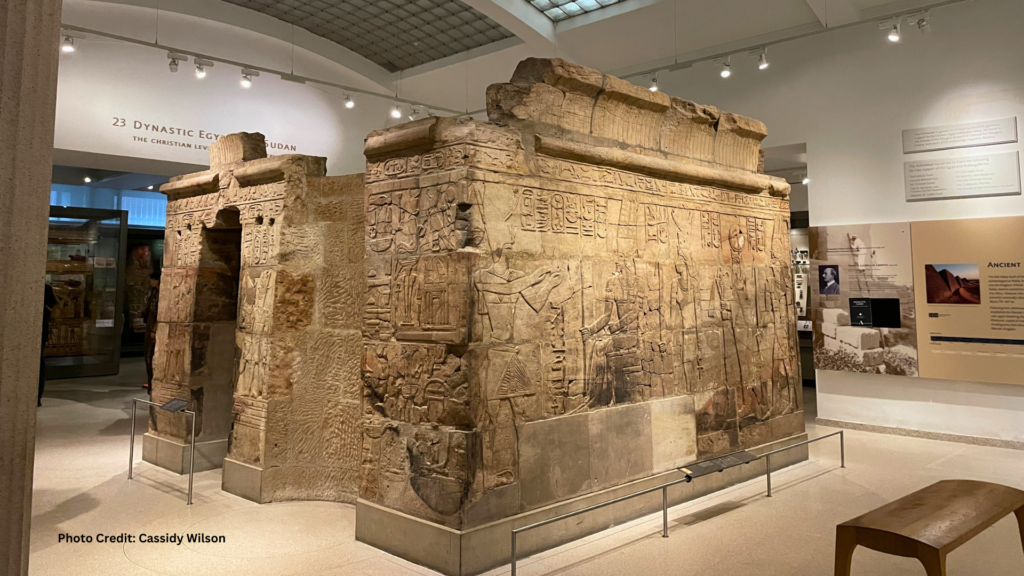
930	523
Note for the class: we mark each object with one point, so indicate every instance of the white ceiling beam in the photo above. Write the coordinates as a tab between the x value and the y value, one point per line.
832	13
522	19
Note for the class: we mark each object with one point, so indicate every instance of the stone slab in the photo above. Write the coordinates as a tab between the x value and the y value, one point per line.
243	480
836	316
829	329
673	433
620	444
554	459
873	357
175	456
859	338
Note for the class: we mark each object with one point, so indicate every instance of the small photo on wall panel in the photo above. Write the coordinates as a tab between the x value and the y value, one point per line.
969	277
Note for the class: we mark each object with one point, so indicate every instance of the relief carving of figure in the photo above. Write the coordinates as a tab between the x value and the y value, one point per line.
256	316
500	288
614	372
252	368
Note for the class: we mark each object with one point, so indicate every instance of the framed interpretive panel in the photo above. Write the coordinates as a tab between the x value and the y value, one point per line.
969	177
969	283
862	299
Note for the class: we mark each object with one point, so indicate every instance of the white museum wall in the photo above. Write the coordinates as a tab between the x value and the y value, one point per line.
849	94
106	80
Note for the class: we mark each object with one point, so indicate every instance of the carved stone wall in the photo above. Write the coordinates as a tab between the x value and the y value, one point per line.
592	288
259	324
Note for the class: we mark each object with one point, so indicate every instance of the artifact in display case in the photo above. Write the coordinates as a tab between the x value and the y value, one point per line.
85	269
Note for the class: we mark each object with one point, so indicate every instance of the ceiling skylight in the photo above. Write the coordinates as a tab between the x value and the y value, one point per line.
563	9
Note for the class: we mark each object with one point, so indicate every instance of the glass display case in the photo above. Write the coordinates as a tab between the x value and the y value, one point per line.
85	267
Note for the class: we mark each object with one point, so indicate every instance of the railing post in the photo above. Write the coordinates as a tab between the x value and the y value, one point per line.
192	458
664	512
513	553
131	449
768	468
842	449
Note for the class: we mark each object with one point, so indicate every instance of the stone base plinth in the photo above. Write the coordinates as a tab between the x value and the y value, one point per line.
243	480
174	456
470	552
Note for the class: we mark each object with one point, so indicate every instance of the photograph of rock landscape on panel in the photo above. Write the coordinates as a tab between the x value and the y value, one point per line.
860	269
591	288
258	324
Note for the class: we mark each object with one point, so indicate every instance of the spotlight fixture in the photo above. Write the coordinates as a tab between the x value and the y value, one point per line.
654	83
396	113
762	58
806	181
922	20
894	34
726	67
87	179
175	59
201	66
67	42
150	187
414	114
349	103
247	76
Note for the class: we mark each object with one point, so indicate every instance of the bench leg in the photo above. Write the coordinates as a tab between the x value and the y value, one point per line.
846	542
1019	512
934	561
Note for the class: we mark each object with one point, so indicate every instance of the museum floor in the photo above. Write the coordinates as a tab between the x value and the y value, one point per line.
81	488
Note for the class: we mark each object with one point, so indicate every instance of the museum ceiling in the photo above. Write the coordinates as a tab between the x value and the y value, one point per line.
394	34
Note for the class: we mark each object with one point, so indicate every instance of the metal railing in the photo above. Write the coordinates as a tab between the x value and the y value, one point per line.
768	455
192	456
664	492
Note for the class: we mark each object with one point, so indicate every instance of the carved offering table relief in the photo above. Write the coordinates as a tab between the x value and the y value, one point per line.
258	323
592	288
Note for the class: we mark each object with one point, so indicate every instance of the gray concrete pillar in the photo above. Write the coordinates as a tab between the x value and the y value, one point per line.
29	39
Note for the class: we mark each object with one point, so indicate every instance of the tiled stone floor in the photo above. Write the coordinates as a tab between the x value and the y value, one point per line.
81	488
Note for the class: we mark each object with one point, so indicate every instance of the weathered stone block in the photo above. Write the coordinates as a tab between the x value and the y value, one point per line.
858	337
554	460
673	433
621	445
835	316
829	329
236	148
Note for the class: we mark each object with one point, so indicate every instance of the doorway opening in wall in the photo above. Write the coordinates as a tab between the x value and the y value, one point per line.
790	163
214	348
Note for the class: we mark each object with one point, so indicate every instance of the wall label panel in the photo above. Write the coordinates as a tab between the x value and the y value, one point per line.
970	291
986	133
863	271
971	177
